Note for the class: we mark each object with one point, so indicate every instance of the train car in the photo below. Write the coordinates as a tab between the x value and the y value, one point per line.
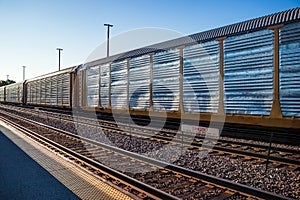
51	90
248	72
2	94
14	93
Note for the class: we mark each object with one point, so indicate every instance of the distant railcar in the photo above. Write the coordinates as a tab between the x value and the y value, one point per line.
2	94
51	90
14	93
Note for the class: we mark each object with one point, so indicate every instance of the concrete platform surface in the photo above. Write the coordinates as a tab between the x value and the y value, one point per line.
23	178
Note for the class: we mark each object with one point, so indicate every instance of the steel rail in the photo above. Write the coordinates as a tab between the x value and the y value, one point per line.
218	181
131	181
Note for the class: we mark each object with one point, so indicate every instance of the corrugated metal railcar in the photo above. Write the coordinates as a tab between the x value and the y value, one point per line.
53	89
2	94
14	93
248	72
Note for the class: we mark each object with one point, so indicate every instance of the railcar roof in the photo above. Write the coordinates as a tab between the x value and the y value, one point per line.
63	71
13	84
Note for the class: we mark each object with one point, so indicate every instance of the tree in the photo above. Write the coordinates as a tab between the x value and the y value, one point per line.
7	82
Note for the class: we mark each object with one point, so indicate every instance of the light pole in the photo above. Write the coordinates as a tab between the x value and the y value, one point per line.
59	49
108	26
24	72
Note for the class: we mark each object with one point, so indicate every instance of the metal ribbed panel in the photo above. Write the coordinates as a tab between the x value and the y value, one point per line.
43	91
40	91
166	80
104	88
201	77
290	70
48	90
8	94
92	84
119	84
51	89
20	92
15	94
33	92
12	93
139	87
37	92
29	91
248	73
54	91
2	95
66	89
59	90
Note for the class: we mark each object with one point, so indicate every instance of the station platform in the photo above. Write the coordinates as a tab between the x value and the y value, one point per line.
29	171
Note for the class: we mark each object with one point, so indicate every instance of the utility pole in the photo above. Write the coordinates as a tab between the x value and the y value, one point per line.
24	72
108	26
59	49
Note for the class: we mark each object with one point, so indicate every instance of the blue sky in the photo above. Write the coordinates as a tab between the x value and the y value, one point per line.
31	30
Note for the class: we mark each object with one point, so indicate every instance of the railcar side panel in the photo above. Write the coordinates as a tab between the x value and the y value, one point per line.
54	92
119	81
38	91
20	92
201	77
104	85
139	85
2	94
31	92
248	73
289	69
14	93
59	90
34	92
9	94
43	91
92	79
66	89
28	87
165	75
48	90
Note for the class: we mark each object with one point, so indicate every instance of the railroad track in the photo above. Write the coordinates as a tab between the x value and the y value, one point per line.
279	157
159	179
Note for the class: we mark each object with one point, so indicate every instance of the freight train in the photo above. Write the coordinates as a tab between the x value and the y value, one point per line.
248	72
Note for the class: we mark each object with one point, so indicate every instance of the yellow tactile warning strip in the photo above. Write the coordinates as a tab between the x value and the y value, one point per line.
79	181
